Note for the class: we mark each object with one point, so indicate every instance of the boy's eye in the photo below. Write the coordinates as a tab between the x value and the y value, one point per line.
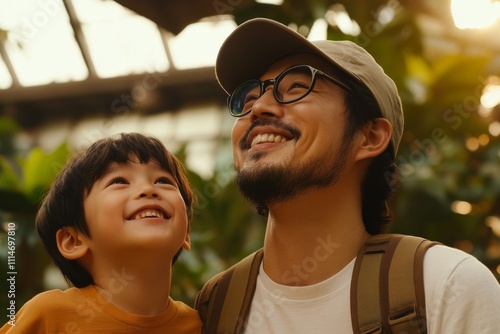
165	180
118	180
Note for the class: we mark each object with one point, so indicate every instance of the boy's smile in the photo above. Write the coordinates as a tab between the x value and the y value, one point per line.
147	214
140	206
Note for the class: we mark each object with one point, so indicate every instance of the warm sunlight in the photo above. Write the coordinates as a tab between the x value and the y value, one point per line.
474	14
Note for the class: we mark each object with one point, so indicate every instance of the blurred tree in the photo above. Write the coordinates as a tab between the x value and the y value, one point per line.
23	180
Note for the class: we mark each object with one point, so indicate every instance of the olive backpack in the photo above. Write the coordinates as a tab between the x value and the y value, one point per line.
387	289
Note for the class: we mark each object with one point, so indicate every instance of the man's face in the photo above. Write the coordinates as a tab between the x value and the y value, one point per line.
281	150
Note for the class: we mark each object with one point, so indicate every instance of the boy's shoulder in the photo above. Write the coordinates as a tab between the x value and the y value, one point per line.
51	300
34	315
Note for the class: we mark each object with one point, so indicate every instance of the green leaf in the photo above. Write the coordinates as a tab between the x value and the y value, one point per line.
458	80
8	177
14	201
418	68
40	169
8	126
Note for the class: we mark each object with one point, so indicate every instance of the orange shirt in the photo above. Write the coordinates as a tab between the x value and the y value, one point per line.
82	311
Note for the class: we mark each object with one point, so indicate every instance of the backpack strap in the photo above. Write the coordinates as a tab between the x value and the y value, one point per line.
387	288
221	315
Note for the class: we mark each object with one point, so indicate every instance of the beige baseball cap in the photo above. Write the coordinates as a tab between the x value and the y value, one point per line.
256	44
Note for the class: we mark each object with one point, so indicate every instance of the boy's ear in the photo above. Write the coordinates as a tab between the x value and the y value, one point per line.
71	243
375	137
187	242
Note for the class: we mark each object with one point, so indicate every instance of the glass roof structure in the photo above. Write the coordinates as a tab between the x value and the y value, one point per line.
78	70
88	38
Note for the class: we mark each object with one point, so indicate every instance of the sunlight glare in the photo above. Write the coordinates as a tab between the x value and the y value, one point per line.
271	2
36	30
472	144
461	207
490	99
494	129
491	96
5	78
474	14
494	223
119	41
338	16
318	30
197	45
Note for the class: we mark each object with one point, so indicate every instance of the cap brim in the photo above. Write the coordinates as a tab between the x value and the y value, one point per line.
251	49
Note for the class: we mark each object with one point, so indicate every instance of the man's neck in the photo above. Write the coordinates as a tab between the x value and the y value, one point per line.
313	236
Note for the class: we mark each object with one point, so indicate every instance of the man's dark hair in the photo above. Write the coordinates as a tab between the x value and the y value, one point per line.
63	205
381	178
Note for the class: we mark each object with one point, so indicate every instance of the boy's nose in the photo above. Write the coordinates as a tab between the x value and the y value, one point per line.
148	191
149	194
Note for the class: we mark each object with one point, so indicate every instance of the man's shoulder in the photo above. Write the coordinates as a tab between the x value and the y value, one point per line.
246	269
445	258
450	270
212	282
462	294
247	261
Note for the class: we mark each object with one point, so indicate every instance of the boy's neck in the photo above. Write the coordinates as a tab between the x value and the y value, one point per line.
141	290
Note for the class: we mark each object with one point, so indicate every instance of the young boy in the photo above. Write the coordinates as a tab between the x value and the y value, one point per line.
114	222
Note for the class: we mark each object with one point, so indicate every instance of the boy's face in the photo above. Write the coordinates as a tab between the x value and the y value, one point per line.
133	208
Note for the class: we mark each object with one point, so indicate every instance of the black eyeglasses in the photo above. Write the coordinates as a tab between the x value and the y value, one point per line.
290	86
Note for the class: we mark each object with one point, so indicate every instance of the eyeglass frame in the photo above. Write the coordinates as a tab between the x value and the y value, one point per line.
264	84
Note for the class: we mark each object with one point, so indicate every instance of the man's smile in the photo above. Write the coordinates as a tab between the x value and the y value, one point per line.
267	138
268	131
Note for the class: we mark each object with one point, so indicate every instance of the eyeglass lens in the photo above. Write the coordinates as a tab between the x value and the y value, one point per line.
291	85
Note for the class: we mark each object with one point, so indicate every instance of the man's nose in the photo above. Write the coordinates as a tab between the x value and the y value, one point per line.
266	105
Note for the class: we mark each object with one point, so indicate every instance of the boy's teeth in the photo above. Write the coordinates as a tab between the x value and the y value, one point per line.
268	138
149	213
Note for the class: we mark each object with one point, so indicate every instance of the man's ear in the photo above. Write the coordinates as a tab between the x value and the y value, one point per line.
72	244
374	139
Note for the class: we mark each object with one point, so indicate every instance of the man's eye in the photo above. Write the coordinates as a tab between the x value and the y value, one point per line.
250	98
296	85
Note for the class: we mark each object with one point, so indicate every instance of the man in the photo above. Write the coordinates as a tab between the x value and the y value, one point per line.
317	129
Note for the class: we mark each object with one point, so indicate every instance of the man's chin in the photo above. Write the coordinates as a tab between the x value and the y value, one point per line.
261	185
264	184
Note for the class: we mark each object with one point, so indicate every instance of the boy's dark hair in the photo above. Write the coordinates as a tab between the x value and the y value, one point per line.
63	205
381	178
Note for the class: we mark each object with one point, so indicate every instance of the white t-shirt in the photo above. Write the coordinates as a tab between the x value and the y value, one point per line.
462	296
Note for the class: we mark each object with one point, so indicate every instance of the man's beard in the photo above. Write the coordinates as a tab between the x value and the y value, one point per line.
270	184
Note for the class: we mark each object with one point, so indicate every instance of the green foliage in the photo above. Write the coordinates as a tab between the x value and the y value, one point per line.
220	215
7	128
23	181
